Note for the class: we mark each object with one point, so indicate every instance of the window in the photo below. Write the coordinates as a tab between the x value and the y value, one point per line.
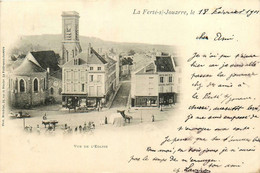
99	78
91	68
67	54
22	85
82	75
161	89
69	75
91	78
99	91
35	85
52	91
76	52
75	62
76	87
60	90
99	68
82	87
170	79
91	91
75	75
44	83
68	87
161	79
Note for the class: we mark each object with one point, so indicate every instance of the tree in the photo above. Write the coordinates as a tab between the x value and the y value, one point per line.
131	52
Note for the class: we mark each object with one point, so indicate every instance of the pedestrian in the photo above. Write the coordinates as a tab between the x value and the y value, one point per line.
100	106
80	128
93	125
76	129
105	120
85	126
44	117
66	126
152	118
38	129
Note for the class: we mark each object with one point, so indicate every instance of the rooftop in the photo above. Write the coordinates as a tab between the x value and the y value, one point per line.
164	64
28	67
47	59
70	13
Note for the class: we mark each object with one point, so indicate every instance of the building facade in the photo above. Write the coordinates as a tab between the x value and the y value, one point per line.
88	80
153	84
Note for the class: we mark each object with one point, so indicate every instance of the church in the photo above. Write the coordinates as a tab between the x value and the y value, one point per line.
29	79
76	78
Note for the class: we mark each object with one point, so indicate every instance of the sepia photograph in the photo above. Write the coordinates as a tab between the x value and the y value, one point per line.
67	83
129	86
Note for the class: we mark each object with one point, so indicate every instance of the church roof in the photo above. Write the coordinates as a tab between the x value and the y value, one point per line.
28	67
47	59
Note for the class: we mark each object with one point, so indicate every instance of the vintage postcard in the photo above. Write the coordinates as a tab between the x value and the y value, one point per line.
130	86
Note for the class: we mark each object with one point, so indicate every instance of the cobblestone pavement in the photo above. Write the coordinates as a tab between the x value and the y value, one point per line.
141	118
121	97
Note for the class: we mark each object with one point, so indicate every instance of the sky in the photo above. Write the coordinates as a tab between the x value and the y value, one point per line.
113	20
108	20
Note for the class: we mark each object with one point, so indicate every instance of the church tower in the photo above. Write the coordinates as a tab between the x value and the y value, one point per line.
70	36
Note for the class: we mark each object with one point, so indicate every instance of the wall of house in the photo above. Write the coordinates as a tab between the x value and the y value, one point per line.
146	85
166	86
75	80
96	82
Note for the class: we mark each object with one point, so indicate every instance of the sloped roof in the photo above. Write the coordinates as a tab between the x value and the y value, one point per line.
47	59
28	67
148	69
164	64
95	58
110	61
83	58
17	63
57	74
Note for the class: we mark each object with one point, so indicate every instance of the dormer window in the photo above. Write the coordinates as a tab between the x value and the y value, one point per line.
76	61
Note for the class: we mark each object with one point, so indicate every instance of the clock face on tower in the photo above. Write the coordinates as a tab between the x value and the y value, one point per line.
68	32
68	28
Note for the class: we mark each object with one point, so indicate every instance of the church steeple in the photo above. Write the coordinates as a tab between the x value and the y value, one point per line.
70	36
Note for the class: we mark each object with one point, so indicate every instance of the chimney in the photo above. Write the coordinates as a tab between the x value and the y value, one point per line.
89	48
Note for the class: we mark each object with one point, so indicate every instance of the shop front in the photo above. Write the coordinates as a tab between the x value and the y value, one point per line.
166	98
146	101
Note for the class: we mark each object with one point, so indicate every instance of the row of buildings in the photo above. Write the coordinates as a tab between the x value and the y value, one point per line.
86	78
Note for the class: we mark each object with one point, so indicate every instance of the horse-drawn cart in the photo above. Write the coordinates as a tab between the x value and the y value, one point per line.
50	123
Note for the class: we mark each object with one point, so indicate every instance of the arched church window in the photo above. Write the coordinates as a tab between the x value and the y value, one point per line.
52	91
35	85
22	85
